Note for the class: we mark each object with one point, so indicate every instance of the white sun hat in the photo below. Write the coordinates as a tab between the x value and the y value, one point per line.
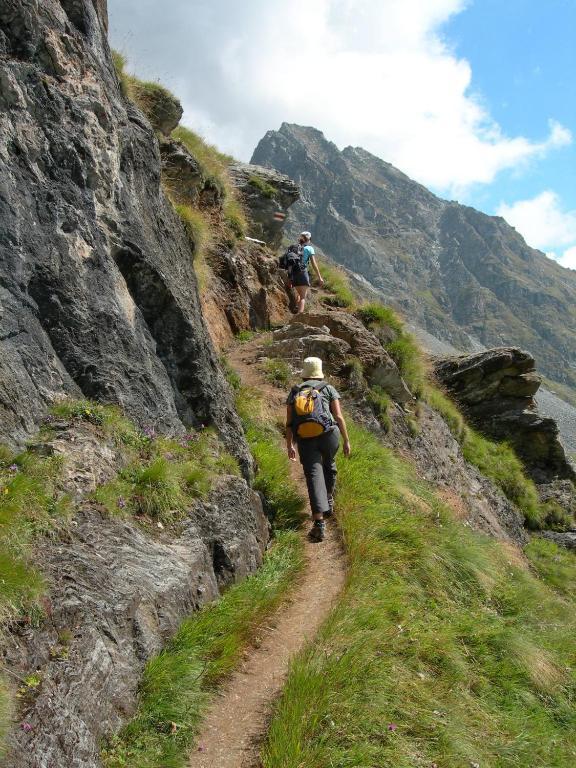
307	235
312	368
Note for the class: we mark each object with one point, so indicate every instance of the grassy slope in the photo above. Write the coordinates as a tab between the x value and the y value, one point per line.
443	651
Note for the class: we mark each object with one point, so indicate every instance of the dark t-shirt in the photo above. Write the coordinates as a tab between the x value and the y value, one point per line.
327	394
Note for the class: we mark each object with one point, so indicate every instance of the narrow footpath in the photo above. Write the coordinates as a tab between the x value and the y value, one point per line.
237	721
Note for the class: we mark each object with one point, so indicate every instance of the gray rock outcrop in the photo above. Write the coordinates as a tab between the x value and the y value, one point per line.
267	195
496	389
98	295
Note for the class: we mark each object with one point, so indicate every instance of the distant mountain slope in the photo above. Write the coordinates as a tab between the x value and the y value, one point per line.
465	277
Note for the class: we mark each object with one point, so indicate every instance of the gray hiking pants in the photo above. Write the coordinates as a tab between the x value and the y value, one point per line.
317	459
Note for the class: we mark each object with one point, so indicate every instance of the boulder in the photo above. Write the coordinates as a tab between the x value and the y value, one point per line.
332	351
181	171
265	193
496	389
379	367
565	539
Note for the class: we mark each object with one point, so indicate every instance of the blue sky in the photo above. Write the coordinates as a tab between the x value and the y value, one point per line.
474	98
523	59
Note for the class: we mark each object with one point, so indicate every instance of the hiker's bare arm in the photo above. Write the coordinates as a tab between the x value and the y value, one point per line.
317	270
336	411
290	447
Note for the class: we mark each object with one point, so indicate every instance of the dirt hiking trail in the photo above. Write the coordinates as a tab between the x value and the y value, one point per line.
237	721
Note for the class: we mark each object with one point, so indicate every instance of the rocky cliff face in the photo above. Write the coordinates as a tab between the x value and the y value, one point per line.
98	294
463	276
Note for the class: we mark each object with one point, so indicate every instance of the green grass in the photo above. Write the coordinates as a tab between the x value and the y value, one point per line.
267	190
400	345
380	402
166	477
277	372
200	233
336	281
31	505
235	216
285	501
406	353
499	462
443	649
109	418
375	315
441	402
179	682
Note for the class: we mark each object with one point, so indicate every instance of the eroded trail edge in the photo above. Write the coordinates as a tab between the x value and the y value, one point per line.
237	721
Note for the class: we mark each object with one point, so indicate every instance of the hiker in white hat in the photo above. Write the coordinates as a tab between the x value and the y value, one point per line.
314	421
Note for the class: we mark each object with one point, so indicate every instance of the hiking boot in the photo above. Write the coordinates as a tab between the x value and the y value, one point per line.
317	532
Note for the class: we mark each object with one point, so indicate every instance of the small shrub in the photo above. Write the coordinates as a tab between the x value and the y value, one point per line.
277	372
337	283
245	335
357	384
267	190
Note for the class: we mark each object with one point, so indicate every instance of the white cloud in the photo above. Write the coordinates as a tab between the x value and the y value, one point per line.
374	73
545	225
541	220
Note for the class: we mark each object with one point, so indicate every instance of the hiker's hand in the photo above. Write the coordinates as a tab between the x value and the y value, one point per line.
291	453
347	448
321	281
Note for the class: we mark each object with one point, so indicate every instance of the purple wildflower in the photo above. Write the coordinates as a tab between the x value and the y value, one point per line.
149	432
392	726
121	502
13	468
26	727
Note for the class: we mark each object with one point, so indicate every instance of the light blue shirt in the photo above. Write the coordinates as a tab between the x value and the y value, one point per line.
307	253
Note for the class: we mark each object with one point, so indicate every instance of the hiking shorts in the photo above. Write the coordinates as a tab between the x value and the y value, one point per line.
301	278
317	459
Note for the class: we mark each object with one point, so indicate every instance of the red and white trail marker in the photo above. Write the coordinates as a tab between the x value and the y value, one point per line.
279	216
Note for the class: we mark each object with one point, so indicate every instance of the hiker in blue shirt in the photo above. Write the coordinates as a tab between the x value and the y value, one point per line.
300	279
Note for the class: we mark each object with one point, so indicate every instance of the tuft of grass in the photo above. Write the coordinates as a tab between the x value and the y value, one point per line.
109	418
179	682
284	500
375	315
441	402
244	336
277	372
166	477
235	216
200	234
554	565
267	190
499	462
119	62
337	283
442	650
380	402
408	356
